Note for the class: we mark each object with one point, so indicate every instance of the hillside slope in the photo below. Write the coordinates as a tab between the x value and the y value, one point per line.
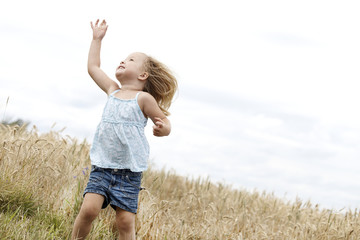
42	177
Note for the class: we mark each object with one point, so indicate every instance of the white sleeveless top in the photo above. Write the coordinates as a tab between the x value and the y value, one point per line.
120	141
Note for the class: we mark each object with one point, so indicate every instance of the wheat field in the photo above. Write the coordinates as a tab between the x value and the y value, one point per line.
42	177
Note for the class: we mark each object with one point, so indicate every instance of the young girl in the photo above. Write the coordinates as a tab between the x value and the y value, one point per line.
120	150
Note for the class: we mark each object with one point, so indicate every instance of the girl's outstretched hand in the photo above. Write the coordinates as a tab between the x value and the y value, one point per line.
161	127
99	30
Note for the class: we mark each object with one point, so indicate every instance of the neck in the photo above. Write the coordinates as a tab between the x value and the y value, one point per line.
131	84
127	87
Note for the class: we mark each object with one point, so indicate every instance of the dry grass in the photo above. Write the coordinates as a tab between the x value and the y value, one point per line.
43	175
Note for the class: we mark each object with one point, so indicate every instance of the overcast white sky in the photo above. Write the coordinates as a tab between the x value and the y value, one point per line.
268	94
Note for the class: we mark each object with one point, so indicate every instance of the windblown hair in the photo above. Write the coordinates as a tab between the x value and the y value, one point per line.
161	83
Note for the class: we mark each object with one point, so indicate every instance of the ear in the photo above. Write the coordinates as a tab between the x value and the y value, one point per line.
143	76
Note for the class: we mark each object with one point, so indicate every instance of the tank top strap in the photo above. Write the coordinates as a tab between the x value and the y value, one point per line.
112	94
137	95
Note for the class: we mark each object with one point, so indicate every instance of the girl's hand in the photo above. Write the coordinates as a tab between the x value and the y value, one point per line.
99	31
161	127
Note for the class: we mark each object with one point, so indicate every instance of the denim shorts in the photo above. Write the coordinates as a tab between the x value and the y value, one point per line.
120	187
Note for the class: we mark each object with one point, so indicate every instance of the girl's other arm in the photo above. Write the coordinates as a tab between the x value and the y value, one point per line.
151	109
98	75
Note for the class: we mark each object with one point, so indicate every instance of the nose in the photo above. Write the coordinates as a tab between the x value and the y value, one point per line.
122	62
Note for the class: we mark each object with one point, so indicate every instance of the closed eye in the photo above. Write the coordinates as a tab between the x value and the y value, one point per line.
131	59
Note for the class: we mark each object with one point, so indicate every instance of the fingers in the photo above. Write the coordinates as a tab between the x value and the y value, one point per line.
156	131
159	122
157	128
102	24
158	119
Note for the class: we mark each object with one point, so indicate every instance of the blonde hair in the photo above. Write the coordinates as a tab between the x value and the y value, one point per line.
161	83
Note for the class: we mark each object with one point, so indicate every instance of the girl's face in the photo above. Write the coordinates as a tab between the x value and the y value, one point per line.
131	67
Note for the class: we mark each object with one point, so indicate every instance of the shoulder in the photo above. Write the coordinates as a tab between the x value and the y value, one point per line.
149	106
147	102
145	97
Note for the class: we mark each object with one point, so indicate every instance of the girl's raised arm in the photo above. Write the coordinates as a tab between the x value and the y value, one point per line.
98	75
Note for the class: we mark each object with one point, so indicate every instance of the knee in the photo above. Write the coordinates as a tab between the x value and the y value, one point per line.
125	224
88	213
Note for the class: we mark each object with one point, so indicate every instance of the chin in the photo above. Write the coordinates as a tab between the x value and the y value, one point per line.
118	75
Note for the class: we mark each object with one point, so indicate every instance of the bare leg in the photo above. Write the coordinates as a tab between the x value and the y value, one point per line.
90	209
125	222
